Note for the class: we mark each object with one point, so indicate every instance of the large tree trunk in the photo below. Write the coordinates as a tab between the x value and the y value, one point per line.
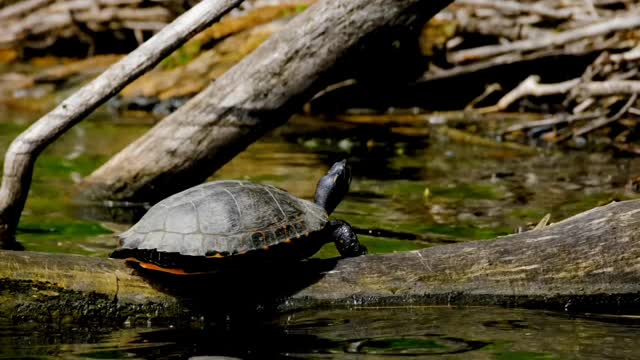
588	262
252	98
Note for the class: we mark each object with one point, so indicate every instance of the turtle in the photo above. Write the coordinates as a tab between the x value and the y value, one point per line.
219	224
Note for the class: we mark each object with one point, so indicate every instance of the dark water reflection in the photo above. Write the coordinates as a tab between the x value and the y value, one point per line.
435	332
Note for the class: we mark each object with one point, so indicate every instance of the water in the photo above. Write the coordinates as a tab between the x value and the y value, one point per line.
388	333
409	191
474	192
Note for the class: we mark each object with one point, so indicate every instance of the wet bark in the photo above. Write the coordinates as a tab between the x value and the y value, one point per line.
588	262
252	98
24	150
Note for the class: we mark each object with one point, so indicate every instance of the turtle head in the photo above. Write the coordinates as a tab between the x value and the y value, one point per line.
333	186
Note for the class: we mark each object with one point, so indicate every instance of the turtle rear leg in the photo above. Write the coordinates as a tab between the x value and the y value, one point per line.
345	239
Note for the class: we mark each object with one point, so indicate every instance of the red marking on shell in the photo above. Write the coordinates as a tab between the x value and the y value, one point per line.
154	267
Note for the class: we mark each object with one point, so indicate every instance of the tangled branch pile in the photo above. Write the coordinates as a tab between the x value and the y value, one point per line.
577	59
101	25
37	24
183	74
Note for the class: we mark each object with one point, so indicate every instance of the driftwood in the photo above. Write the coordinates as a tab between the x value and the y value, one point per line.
95	25
613	25
184	73
255	96
532	87
588	262
487	42
515	8
576	59
40	23
23	151
528	36
583	93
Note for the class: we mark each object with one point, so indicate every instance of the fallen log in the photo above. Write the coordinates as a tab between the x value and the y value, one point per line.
588	262
255	96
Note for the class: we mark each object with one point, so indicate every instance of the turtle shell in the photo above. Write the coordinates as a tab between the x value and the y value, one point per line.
223	218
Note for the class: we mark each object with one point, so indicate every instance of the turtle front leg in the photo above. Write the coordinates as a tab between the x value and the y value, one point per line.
345	239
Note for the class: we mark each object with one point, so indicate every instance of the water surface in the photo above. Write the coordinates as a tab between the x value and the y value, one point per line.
384	333
408	192
412	191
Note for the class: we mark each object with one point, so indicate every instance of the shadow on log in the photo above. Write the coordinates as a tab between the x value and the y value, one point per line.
588	262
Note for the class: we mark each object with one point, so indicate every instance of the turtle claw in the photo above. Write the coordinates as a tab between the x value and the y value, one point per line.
351	249
346	239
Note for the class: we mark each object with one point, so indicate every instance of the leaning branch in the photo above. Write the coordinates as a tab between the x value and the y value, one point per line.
23	151
252	98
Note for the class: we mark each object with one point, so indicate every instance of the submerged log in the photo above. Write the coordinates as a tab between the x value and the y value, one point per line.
588	262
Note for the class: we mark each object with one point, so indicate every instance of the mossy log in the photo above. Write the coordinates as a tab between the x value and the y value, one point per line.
588	262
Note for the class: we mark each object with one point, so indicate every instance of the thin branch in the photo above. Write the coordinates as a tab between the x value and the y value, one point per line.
554	120
515	8
609	87
631	55
607	120
502	60
531	87
616	24
506	28
22	7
